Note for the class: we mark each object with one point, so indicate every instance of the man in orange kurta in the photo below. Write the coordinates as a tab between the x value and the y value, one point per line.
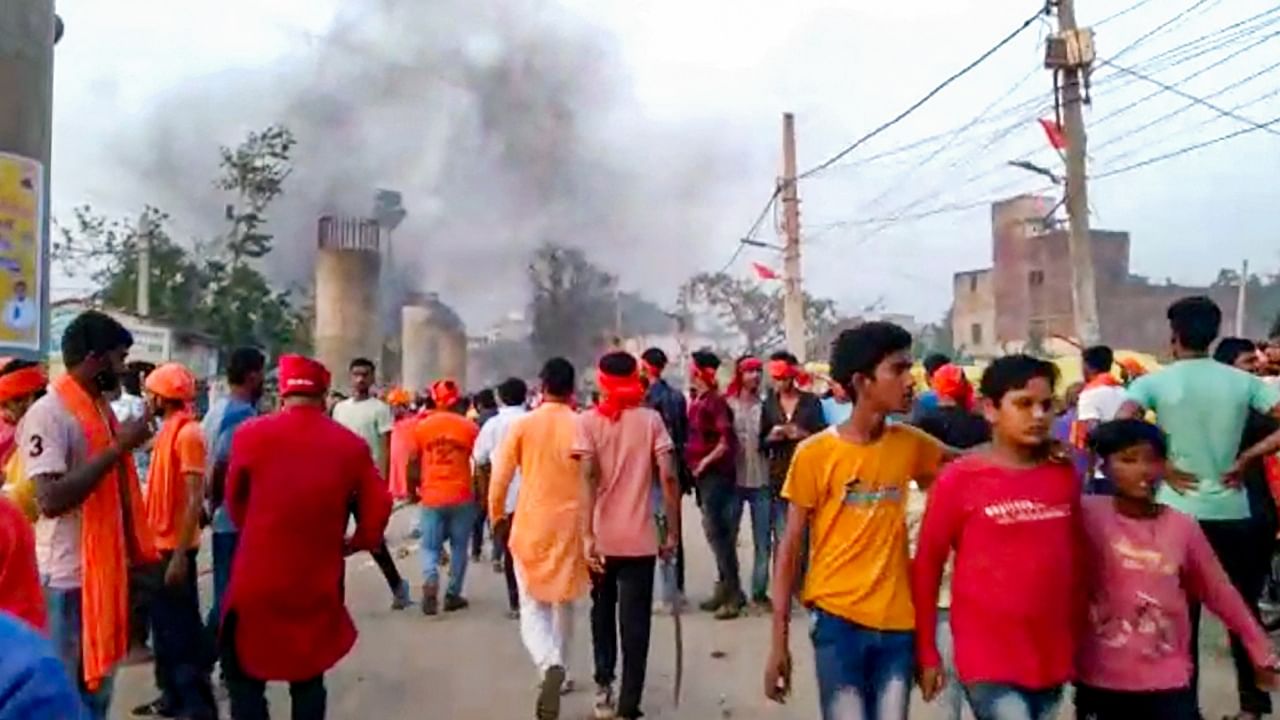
549	536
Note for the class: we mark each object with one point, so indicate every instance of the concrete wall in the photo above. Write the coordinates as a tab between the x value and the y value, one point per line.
973	313
433	345
347	274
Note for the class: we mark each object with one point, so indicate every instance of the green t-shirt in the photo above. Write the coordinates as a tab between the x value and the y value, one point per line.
370	419
1202	405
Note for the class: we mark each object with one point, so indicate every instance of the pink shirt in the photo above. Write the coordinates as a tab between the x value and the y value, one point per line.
627	452
1142	575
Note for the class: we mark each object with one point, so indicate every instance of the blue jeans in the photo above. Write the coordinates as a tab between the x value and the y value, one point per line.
861	672
759	504
995	701
224	551
951	701
452	522
64	633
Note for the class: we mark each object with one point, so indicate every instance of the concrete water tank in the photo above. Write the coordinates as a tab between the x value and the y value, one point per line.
433	343
347	269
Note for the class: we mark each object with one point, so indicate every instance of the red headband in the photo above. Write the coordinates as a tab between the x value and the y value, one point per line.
782	370
618	393
706	375
743	366
21	383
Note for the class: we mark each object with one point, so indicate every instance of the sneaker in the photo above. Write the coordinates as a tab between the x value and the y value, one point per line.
430	604
568	685
714	602
762	603
401	598
728	611
455	602
513	614
156	708
548	705
604	708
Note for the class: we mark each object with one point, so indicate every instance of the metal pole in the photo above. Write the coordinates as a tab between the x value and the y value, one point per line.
1083	290
793	297
144	265
27	36
1242	298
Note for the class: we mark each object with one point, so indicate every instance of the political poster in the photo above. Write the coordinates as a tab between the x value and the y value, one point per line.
21	253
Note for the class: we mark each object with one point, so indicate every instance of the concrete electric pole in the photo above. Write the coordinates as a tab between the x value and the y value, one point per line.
793	297
28	31
1242	299
1075	54
144	265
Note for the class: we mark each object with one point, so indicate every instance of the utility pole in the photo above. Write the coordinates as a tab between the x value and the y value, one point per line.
793	297
144	264
28	31
1241	299
1077	55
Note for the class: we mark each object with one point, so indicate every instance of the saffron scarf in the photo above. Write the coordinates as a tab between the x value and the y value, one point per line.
104	554
166	487
618	393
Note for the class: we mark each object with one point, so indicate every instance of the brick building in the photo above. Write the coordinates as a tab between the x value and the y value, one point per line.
1025	296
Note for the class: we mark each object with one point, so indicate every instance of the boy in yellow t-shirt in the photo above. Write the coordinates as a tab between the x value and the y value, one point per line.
21	383
847	487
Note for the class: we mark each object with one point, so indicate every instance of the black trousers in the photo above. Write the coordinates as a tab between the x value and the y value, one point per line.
502	549
249	695
622	603
1243	548
387	565
183	652
718	496
1098	704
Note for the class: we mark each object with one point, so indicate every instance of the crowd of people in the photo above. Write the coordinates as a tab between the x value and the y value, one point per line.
992	544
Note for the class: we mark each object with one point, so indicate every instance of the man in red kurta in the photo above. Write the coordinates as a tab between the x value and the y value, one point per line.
295	477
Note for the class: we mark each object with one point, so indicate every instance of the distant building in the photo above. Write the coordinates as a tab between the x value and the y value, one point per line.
1024	298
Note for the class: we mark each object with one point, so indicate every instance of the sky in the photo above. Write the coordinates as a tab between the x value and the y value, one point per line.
696	88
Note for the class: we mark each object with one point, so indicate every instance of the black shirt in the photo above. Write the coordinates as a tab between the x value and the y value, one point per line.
954	426
808	416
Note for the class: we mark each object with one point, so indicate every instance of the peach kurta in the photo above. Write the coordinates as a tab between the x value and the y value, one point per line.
546	534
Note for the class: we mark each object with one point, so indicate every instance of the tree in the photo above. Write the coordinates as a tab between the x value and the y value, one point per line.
255	170
756	314
572	304
210	288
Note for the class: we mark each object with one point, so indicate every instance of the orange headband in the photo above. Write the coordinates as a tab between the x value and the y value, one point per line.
21	383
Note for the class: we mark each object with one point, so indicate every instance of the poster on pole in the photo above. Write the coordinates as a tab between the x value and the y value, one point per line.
21	254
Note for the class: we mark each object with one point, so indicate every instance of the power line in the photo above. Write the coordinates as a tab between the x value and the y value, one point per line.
1188	96
751	231
1121	14
1161	27
917	104
1183	151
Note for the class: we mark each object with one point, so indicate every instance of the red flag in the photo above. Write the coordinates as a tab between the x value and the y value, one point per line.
764	272
1053	131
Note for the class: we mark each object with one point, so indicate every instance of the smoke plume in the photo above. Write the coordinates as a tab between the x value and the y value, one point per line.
504	123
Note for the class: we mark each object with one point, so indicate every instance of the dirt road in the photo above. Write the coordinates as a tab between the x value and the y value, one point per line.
471	665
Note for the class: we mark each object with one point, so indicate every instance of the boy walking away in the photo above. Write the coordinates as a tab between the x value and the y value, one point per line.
512	393
549	537
175	494
295	480
1148	564
371	419
710	454
754	491
850	483
92	528
441	477
621	447
1013	519
1203	407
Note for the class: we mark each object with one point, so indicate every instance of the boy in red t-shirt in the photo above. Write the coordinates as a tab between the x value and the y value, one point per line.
1012	515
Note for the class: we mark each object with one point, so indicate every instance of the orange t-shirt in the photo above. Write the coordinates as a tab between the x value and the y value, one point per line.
178	451
444	441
